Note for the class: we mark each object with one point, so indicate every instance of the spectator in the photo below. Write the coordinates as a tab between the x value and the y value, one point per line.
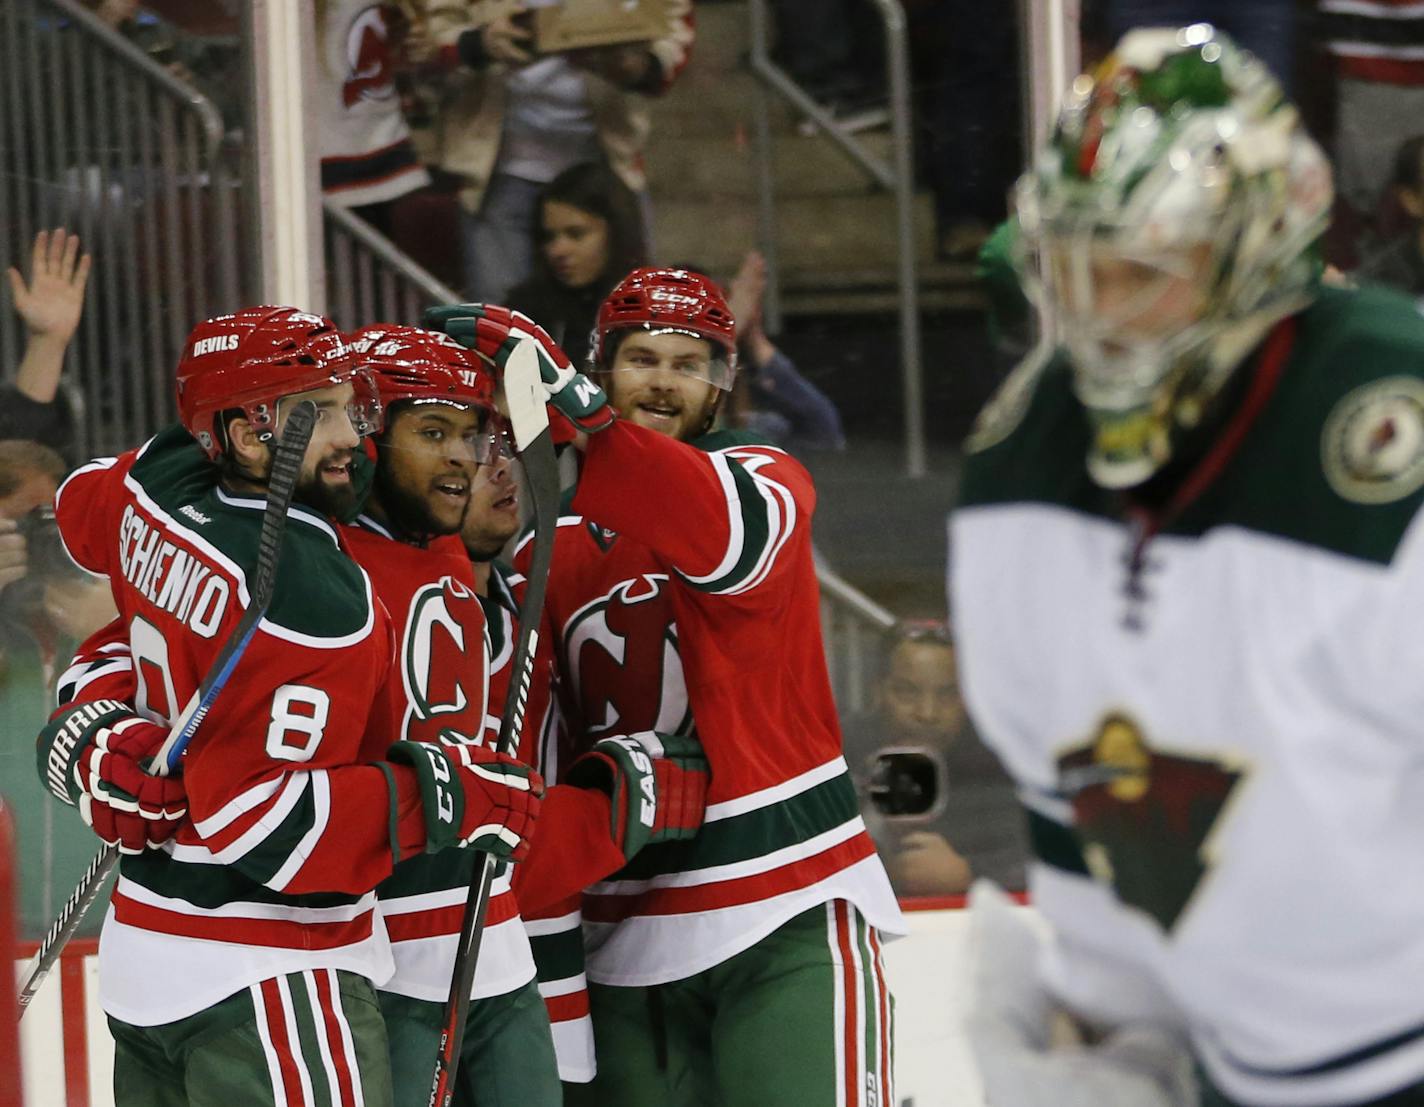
50	305
196	42
510	121
46	607
772	399
1379	92
919	729
1400	262
589	237
368	159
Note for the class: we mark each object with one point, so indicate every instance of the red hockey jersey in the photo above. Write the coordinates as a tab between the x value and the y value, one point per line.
683	589
288	834
441	684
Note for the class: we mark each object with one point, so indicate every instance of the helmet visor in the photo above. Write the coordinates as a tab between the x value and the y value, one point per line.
480	441
362	406
706	360
365	410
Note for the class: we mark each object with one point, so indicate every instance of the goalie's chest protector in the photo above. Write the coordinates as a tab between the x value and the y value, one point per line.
1226	731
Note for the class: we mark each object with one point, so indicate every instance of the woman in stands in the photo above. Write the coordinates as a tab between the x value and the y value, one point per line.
588	237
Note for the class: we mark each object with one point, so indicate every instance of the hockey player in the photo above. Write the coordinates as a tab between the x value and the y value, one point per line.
554	926
441	435
741	967
627	792
1186	568
441	431
237	958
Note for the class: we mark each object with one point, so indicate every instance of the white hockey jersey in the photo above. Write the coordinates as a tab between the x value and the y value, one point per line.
366	152
1220	732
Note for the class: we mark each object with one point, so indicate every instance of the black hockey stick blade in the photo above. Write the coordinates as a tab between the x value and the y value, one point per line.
281	486
525	401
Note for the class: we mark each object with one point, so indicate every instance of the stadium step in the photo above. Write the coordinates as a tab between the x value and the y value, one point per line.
835	229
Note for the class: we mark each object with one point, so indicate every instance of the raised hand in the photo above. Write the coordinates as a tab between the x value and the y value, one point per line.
493	332
51	303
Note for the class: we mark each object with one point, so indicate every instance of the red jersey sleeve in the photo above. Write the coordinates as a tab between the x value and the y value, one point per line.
720	519
272	789
101	669
83	508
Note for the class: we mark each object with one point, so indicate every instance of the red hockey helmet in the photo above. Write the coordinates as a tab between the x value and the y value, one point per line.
252	358
663	301
426	367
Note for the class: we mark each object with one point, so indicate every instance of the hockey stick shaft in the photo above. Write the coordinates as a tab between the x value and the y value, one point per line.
524	397
282	484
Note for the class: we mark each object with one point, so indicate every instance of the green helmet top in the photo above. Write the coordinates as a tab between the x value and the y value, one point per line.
1181	156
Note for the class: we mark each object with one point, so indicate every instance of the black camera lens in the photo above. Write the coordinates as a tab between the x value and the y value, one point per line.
904	784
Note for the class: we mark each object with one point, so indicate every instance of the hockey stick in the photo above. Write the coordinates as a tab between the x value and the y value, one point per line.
286	468
525	399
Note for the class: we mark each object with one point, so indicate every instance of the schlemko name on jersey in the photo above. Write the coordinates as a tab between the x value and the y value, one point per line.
169	577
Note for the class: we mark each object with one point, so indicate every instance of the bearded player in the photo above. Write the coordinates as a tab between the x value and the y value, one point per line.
239	950
441	441
743	966
441	431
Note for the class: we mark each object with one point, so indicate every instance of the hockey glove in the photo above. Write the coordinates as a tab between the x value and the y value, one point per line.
657	786
473	797
95	757
493	332
1011	1029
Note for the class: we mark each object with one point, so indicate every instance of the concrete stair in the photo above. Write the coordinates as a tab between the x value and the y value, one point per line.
835	228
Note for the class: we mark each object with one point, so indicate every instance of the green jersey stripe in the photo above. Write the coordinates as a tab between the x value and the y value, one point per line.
752	513
751	835
558	956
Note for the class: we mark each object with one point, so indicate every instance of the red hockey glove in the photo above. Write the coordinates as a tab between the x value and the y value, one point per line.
493	332
473	796
95	756
657	786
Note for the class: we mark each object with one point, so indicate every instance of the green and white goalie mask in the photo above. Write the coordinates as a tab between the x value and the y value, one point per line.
1170	221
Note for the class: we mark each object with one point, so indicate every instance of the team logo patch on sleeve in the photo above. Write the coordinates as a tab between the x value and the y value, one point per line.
1372	446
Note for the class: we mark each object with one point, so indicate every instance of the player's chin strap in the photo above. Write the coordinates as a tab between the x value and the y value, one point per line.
525	398
286	468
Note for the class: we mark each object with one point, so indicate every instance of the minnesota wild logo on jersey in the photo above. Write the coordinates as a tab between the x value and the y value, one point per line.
1145	817
620	651
1372	445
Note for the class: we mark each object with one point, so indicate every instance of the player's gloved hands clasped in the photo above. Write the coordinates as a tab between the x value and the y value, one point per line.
1011	1022
493	332
657	785
473	797
95	757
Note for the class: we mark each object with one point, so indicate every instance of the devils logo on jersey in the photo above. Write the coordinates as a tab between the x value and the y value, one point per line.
620	653
442	662
368	59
